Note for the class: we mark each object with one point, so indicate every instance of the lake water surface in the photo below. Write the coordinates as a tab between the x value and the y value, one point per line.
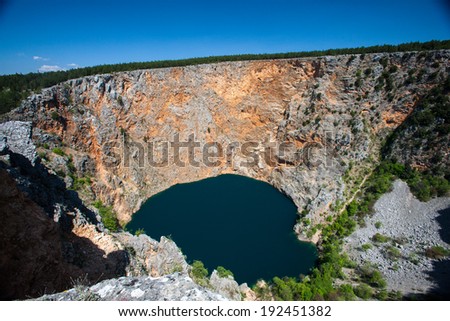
237	222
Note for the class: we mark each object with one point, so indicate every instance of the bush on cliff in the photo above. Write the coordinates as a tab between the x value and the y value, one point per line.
199	273
108	216
223	272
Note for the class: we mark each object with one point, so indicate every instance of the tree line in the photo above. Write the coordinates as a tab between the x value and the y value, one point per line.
14	88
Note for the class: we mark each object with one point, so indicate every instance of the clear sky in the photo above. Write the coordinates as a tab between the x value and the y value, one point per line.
58	34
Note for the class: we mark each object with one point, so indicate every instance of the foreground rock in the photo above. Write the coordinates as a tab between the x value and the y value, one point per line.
174	287
16	136
226	286
51	241
410	227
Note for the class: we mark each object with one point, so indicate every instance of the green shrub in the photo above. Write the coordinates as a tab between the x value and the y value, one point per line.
55	115
389	84
413	258
377	279
80	182
420	188
378	224
372	276
437	252
43	155
379	238
58	151
395	295
363	291
223	272
120	100
366	246
382	295
139	231
346	292
199	273
108	216
70	165
393	69
367	72
393	253
306	221
352	208
281	290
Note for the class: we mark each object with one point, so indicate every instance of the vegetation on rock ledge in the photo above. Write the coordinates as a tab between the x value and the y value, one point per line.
108	216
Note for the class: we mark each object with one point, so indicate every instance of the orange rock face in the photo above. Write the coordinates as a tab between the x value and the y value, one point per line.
315	106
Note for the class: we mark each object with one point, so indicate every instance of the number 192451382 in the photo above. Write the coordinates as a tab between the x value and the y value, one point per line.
295	311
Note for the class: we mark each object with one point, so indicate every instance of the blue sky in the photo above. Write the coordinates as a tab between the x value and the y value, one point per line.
52	34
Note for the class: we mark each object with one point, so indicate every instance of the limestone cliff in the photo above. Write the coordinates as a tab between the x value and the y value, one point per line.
333	110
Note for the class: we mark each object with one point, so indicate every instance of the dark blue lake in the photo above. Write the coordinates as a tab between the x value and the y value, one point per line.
237	222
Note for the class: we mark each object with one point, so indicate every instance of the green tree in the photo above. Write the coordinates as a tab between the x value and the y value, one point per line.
199	273
223	272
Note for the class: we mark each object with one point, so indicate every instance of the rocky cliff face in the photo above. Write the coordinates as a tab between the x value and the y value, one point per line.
51	241
423	138
299	124
332	111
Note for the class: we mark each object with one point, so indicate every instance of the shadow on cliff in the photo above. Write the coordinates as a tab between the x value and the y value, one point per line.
37	254
441	268
48	191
